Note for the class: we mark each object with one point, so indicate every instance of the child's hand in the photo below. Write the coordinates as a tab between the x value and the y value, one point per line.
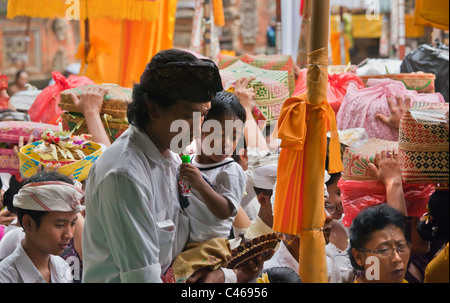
192	175
244	93
387	167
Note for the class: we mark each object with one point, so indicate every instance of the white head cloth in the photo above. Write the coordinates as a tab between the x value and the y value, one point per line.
264	172
50	196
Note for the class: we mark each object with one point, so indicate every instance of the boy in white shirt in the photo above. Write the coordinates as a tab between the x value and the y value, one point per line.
47	207
216	180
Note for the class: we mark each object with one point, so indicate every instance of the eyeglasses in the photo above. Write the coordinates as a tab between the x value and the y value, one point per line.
331	208
389	252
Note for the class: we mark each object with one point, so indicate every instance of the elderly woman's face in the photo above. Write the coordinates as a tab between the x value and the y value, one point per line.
385	257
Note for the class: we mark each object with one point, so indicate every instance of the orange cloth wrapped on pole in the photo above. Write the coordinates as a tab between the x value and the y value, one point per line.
302	128
299	200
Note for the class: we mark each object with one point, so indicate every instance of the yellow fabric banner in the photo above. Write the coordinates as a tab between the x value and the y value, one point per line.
82	9
364	28
132	44
432	13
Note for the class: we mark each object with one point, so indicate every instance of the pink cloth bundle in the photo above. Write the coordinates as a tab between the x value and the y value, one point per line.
359	107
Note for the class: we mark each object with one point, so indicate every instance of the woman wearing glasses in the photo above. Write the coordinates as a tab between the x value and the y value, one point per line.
378	248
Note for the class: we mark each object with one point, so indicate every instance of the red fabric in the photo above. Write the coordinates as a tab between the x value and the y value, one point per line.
357	195
45	108
337	87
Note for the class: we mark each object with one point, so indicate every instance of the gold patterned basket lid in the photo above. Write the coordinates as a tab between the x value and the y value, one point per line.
115	103
356	160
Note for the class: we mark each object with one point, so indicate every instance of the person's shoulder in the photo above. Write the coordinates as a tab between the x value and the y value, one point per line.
7	269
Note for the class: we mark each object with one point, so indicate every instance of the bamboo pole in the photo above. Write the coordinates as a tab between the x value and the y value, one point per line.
401	29
312	255
207	22
316	89
278	29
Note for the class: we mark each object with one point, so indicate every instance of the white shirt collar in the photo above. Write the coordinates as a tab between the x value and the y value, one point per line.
30	274
150	149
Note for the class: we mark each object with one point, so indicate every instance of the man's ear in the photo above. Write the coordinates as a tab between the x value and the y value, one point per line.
28	223
153	111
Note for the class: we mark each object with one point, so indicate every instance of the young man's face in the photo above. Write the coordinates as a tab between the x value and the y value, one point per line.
55	232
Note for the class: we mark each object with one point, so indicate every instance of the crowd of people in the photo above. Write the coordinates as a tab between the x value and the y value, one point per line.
129	221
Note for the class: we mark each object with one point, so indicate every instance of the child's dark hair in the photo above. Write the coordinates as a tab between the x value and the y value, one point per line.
282	275
369	220
334	178
37	215
226	104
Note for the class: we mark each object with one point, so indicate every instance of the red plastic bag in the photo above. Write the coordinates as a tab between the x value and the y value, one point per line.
45	108
357	195
337	87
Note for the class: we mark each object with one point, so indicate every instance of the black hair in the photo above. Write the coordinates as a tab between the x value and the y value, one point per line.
369	220
241	144
437	228
334	178
226	104
37	215
268	192
19	72
8	197
282	275
173	75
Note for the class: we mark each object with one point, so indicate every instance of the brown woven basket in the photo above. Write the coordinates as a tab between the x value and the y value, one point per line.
115	103
424	147
420	82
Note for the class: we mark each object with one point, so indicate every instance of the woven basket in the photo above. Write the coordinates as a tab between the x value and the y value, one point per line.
356	160
424	147
269	62
10	132
115	103
29	161
114	130
271	87
420	82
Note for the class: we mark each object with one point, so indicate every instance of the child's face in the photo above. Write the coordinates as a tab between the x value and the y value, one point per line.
219	144
55	232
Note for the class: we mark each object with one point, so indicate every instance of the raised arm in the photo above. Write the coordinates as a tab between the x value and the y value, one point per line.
253	136
90	104
387	170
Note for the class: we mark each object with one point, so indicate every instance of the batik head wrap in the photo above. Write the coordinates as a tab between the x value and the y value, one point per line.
187	77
